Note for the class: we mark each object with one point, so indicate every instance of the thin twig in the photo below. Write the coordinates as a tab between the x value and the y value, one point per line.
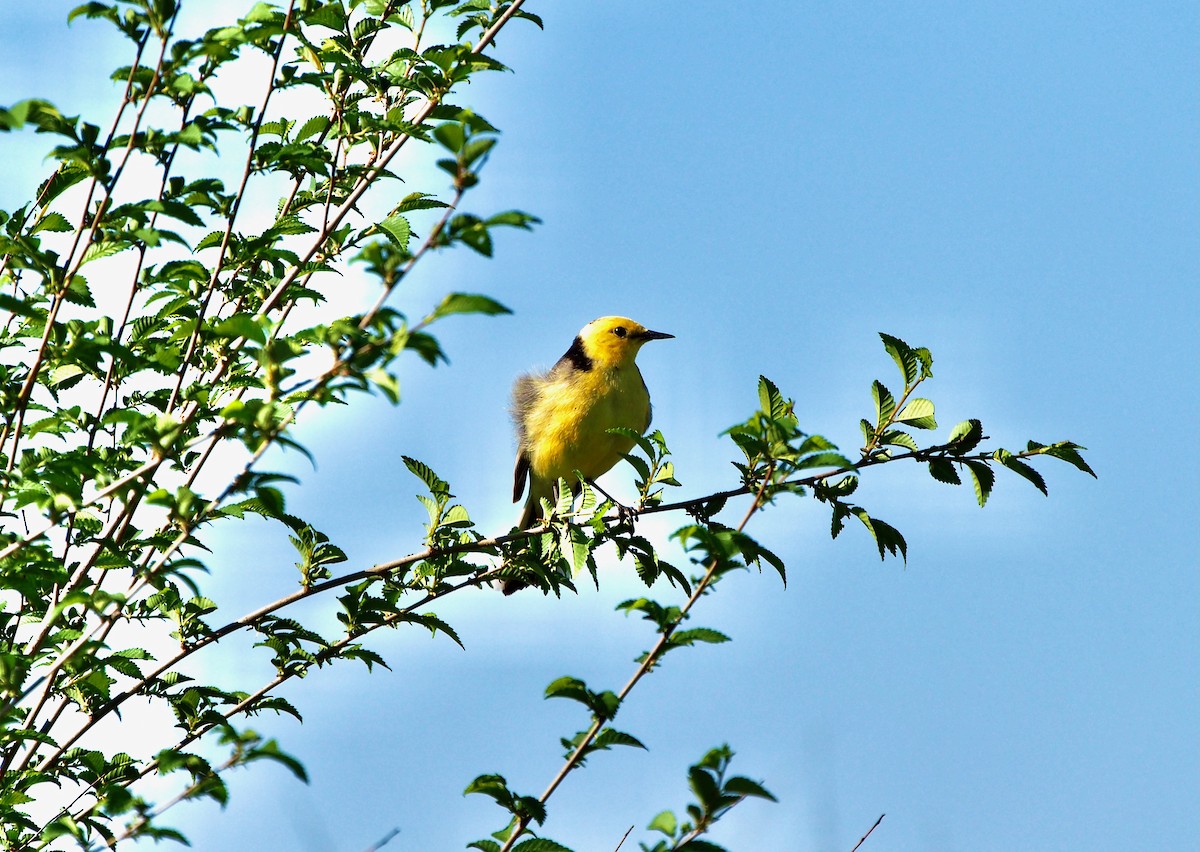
868	834
383	841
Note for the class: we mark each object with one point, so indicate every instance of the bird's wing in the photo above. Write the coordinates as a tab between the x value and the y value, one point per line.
649	407
525	391
520	474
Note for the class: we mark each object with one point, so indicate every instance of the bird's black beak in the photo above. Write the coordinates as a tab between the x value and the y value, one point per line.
654	335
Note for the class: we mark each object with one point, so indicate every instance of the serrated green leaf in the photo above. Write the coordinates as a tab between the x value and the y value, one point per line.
423	472
898	438
54	222
419	201
983	479
540	844
78	292
944	471
1017	466
903	355
397	230
1066	451
468	303
313	126
103	249
610	737
698	634
770	399
291	224
918	413
741	786
885	404
965	436
577	547
887	538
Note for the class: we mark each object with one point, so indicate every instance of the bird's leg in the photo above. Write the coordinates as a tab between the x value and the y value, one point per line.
626	514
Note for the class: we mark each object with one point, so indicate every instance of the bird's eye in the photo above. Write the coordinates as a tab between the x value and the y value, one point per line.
619	331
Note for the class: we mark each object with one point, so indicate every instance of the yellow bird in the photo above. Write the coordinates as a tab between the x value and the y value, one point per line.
563	415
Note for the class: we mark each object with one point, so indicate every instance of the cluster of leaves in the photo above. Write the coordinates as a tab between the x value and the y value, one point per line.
148	325
715	795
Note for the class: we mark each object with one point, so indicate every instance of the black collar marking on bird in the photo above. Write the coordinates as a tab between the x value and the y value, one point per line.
578	358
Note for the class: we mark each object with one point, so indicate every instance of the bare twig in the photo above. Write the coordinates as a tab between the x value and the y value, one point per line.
383	841
868	834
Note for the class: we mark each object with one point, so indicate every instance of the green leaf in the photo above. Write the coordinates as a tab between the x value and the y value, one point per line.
54	222
17	306
898	438
513	219
965	437
705	787
885	404
104	248
68	174
983	479
665	822
887	538
699	845
540	844
317	123
241	325
611	737
577	547
451	135
270	750
918	413
698	634
489	785
904	357
64	373
210	240
740	786
290	225
78	293
1016	465
770	399
437	486
603	705
467	303
1066	451
944	471
419	201
398	231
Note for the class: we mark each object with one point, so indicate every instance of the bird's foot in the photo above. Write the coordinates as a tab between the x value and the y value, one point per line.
625	514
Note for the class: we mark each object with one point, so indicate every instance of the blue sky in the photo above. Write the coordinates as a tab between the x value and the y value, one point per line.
1015	186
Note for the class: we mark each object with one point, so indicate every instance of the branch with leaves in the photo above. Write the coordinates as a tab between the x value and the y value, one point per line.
110	427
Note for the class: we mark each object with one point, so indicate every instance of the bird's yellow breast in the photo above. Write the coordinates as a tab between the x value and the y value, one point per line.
569	422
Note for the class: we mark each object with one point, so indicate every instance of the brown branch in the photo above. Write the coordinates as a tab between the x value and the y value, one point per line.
868	834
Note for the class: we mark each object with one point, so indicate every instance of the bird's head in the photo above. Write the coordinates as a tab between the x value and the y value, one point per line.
615	341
